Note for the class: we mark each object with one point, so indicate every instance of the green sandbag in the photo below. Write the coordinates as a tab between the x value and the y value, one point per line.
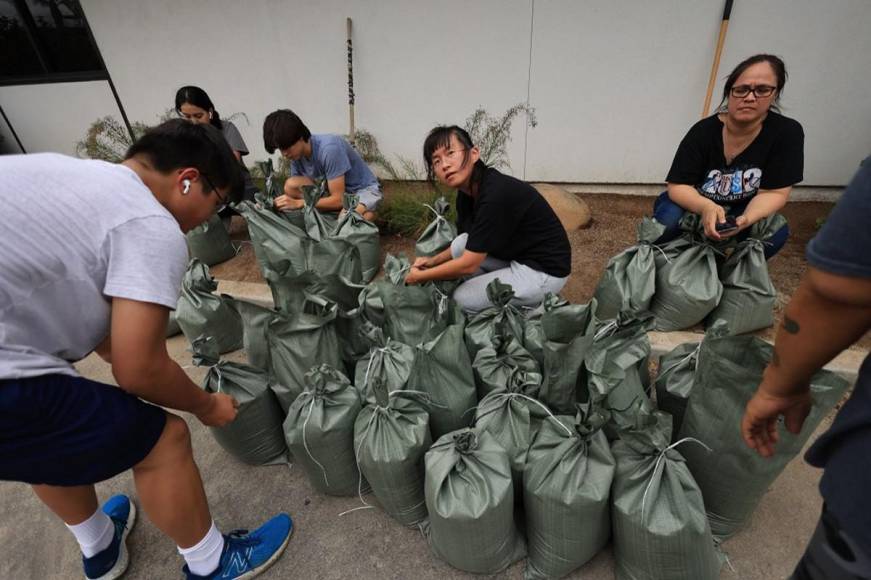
566	492
439	233
255	320
617	365
255	435
289	287
688	285
495	364
501	319
658	516
388	363
172	327
512	416
210	243
470	498
629	280
442	369
734	477
202	313
748	294
676	376
674	382
362	234
390	439
319	430
299	342
409	314
274	238
569	332
533	334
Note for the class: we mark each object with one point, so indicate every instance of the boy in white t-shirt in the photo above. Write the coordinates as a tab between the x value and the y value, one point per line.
102	275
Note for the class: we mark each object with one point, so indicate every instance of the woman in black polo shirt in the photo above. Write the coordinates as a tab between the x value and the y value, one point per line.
507	229
740	163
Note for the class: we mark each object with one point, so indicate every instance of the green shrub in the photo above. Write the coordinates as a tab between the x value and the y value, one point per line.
403	212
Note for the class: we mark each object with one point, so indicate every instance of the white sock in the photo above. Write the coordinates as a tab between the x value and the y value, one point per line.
94	534
204	557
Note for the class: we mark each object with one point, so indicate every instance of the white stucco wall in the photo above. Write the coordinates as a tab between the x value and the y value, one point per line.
615	84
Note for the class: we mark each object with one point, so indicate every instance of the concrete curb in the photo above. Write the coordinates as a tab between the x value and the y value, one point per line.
845	364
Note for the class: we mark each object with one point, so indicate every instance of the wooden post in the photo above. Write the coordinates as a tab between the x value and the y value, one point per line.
352	130
721	40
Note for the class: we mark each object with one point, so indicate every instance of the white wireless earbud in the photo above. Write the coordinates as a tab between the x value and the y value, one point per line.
187	186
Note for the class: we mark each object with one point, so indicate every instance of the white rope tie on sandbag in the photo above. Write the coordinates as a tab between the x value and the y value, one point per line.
660	462
539	403
305	443
437	214
661	251
372	352
360	471
606	330
442	306
693	354
426	397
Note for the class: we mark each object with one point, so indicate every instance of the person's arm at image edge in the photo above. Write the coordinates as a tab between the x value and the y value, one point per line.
827	314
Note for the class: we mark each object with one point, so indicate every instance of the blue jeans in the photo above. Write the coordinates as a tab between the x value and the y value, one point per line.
669	214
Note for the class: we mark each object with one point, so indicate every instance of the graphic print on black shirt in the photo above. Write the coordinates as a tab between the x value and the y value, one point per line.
511	221
737	184
774	159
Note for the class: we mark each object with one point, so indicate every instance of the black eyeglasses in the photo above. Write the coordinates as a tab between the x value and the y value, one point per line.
759	91
223	200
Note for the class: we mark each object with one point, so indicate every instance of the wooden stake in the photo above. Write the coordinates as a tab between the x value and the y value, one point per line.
351	129
724	26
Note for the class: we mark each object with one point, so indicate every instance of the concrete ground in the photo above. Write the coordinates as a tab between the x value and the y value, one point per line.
362	544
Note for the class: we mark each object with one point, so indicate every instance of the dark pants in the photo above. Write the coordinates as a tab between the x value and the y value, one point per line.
832	555
669	214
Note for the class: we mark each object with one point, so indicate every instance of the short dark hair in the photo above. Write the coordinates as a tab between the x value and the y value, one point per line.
177	143
199	98
283	128
776	64
441	137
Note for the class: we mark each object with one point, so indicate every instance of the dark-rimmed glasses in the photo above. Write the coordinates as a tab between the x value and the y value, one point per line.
759	91
223	200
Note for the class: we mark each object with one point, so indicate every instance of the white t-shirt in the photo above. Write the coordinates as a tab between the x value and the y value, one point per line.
75	233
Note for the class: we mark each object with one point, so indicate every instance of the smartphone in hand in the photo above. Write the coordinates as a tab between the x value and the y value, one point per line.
727	226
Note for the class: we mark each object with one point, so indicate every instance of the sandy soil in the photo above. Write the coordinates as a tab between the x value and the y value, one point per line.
612	230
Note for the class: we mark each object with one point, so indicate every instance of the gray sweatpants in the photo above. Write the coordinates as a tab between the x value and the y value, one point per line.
529	285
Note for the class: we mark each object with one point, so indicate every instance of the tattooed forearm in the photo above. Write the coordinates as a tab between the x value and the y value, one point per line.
790	325
775	359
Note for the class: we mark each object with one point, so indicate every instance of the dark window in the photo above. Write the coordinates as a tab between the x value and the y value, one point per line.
46	41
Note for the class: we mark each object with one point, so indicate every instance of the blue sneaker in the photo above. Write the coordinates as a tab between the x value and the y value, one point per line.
246	555
112	562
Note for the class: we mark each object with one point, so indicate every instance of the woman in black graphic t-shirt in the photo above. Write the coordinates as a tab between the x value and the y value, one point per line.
741	162
507	230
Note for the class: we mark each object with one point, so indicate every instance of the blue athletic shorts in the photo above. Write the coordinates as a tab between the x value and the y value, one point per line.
64	430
